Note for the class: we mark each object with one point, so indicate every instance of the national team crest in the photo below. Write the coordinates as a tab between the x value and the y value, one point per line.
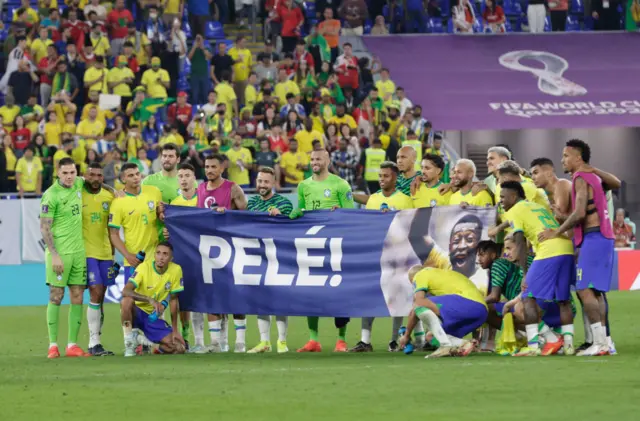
92	277
105	206
349	195
167	286
45	208
327	193
151	205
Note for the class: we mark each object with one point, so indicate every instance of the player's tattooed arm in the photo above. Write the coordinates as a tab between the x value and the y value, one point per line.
610	181
521	250
239	200
129	291
45	229
562	200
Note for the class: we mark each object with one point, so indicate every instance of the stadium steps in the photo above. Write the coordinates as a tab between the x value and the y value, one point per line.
232	31
478	154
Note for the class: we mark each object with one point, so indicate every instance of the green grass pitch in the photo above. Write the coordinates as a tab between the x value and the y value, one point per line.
326	386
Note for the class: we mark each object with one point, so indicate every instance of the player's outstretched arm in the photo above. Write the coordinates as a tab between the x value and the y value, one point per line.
611	182
238	198
521	250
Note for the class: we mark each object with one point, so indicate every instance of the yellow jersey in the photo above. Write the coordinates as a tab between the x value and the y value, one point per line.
289	162
397	201
150	79
243	63
531	219
183	201
93	73
136	214
141	51
482	199
60	153
250	96
32	15
71	127
100	45
531	193
33	124
237	174
439	282
29	171
283	88
95	214
117	75
150	283
175	138
386	89
90	128
226	95
305	140
429	197
9	114
39	49
101	116
318	124
173	7
345	119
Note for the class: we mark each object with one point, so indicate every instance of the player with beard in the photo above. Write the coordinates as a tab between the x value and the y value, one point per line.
495	156
427	195
462	180
275	204
323	190
406	162
221	194
592	235
559	192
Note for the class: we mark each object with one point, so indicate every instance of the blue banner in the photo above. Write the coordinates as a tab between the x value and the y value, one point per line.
343	263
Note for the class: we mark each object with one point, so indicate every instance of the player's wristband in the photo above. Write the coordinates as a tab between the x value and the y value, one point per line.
164	303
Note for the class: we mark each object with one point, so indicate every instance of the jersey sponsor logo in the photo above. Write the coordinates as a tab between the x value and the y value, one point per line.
349	195
433	202
45	208
167	286
151	205
327	193
105	206
210	202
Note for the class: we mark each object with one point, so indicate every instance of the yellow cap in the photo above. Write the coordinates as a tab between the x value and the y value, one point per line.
155	61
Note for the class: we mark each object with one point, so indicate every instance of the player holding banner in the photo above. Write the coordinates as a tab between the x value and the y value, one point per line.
275	204
323	190
219	194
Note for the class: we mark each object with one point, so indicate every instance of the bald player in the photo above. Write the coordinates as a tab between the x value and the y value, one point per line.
406	162
323	190
462	180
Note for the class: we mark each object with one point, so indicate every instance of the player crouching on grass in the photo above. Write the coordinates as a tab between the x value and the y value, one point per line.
454	308
144	299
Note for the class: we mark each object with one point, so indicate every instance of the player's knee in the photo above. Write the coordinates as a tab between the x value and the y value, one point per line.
56	295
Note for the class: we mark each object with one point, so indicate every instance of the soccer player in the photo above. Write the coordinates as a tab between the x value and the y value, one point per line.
220	194
188	197
552	272
96	202
495	156
462	180
427	195
452	309
387	199
558	190
136	214
155	281
65	259
275	204
323	190
593	235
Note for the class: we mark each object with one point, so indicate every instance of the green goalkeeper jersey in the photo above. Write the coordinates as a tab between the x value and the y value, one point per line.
64	206
277	201
332	191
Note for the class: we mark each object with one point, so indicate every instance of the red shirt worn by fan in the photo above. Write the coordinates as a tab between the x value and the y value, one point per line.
291	18
181	113
347	69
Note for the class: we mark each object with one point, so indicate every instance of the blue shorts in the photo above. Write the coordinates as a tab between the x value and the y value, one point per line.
99	272
128	273
460	316
595	263
551	278
550	312
154	331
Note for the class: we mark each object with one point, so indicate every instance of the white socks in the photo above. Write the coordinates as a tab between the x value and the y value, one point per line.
567	334
397	324
197	321
241	330
418	333
455	341
214	331
532	336
432	321
264	327
365	335
93	321
282	323
548	335
599	334
588	335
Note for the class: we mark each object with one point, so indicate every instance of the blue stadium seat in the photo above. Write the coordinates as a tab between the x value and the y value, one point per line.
385	12
577	7
187	67
450	26
309	9
477	26
573	24
588	23
512	8
3	35
547	24
187	30
228	42
507	26
435	24
367	26
214	30
8	17
13	3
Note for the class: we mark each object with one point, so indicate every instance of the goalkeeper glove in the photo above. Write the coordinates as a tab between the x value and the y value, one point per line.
296	213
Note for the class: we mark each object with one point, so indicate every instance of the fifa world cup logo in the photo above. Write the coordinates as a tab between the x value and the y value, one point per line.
550	80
